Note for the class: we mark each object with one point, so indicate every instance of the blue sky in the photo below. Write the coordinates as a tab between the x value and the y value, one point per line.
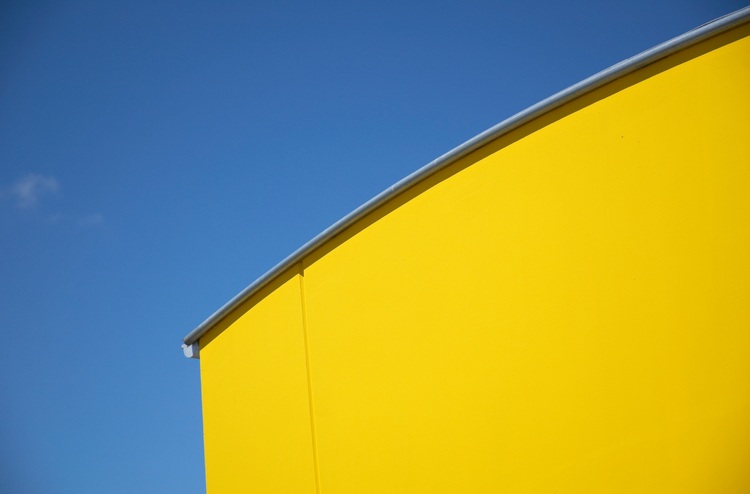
157	157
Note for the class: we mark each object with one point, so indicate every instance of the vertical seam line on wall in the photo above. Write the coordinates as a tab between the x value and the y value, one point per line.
309	378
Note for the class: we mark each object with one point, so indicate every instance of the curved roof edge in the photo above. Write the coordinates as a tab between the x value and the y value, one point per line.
616	71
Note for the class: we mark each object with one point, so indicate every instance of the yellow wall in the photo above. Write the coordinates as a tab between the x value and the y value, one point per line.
257	431
565	310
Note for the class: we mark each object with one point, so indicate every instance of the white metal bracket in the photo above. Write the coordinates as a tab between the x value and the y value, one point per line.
192	350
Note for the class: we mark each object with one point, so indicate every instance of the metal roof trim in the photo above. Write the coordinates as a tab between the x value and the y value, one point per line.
587	85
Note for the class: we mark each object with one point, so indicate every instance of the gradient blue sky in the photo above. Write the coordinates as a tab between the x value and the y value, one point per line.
156	157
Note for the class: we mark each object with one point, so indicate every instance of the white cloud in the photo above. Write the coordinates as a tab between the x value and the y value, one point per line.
94	219
32	189
57	217
28	190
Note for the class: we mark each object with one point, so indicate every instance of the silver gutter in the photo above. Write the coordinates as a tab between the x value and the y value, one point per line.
596	81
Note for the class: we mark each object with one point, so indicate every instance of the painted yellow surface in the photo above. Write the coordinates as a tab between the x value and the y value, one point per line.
257	432
565	310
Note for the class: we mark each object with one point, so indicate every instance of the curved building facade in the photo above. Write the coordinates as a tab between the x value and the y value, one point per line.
561	304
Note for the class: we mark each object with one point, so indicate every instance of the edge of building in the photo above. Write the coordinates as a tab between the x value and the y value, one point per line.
190	341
